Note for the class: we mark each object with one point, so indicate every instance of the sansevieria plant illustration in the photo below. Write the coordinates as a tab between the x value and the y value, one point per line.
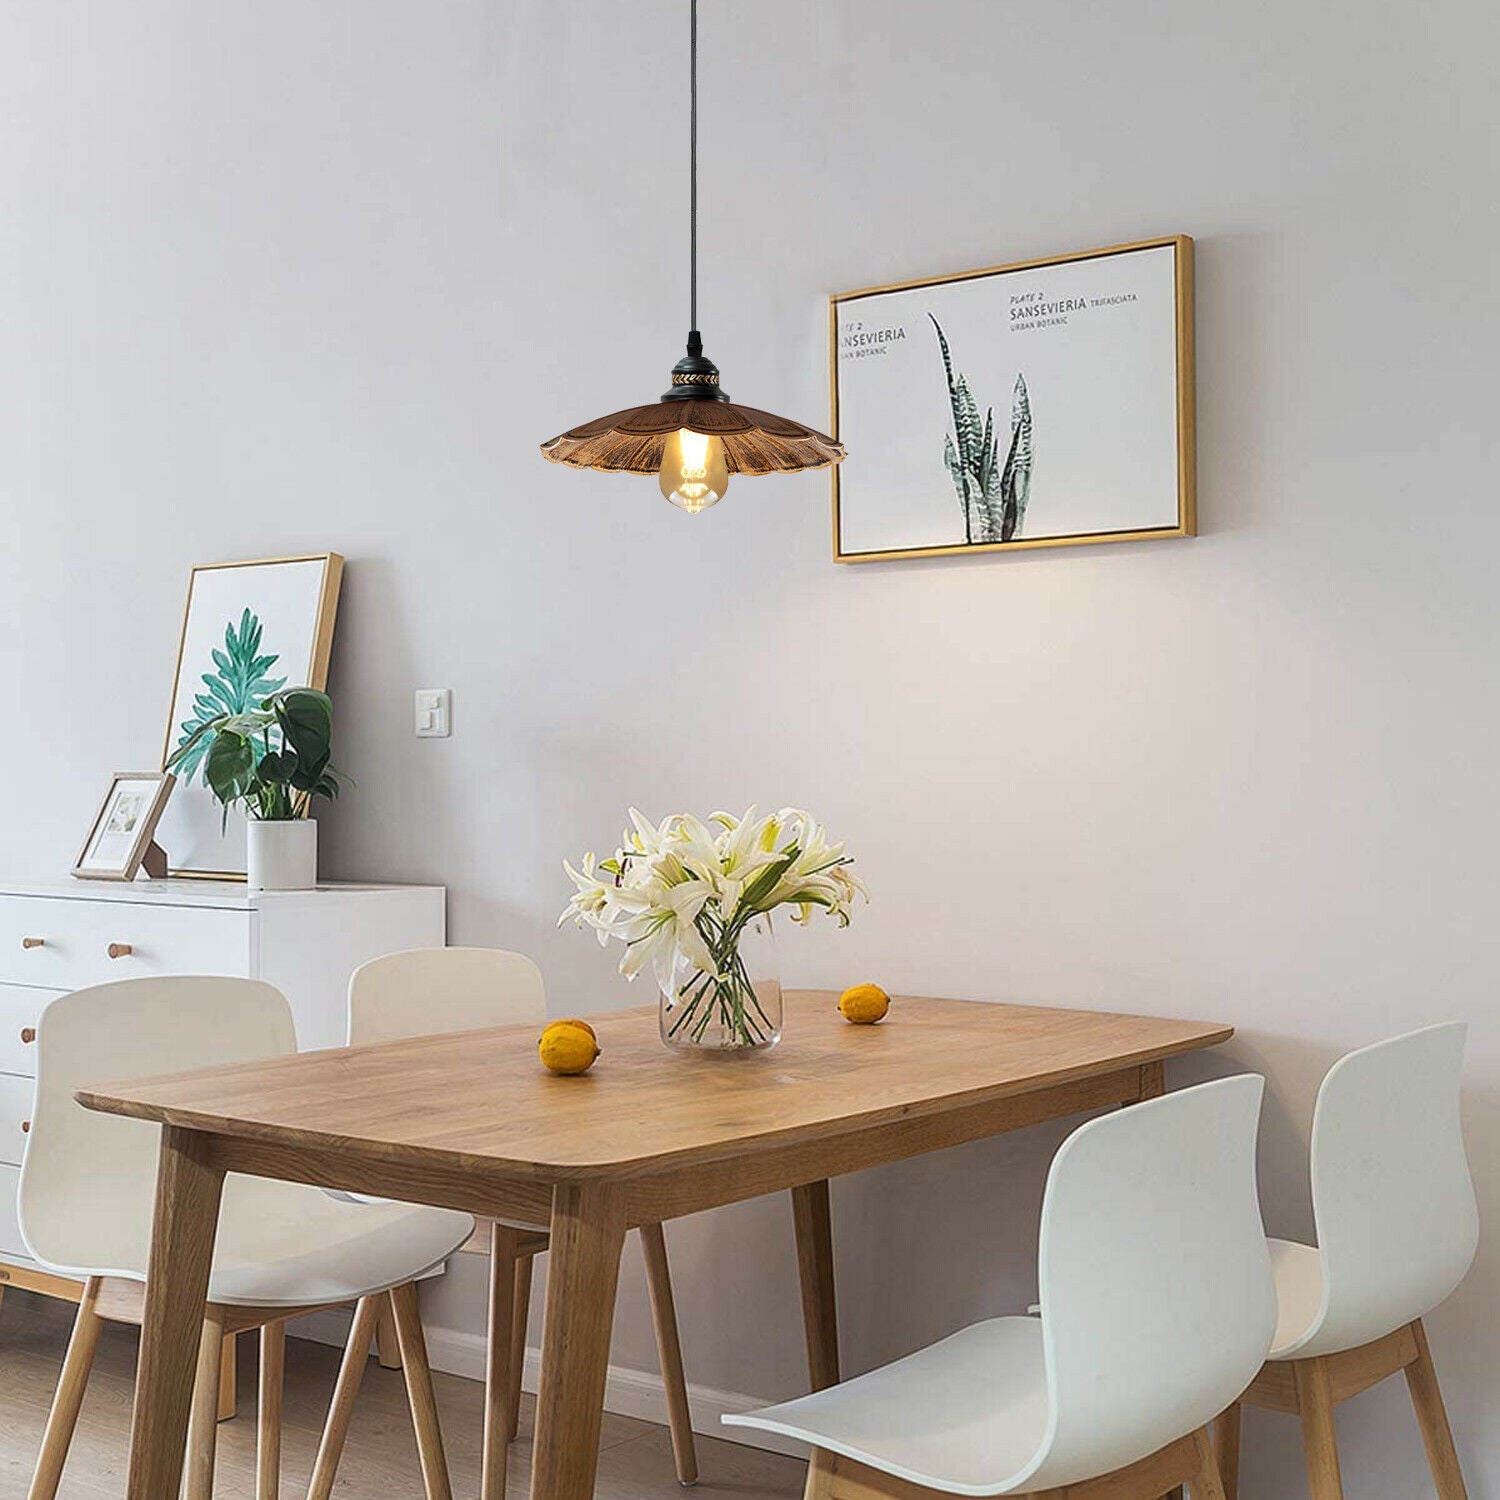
240	685
993	495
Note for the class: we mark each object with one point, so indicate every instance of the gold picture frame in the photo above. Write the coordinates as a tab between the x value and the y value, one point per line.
318	610
122	837
1182	523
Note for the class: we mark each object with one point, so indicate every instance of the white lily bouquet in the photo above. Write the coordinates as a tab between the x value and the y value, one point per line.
693	900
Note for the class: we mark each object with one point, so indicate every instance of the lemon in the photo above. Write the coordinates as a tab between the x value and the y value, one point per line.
864	1004
568	1047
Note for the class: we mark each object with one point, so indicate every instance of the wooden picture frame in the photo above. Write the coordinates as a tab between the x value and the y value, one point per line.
122	837
1113	331
227	600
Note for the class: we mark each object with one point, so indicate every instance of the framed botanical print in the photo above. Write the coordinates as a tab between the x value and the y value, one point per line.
122	837
1035	405
249	630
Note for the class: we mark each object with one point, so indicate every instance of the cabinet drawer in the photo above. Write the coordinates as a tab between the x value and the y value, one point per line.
15	1109
10	1223
64	944
19	1010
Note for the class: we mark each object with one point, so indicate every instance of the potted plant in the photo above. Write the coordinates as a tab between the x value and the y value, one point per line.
272	761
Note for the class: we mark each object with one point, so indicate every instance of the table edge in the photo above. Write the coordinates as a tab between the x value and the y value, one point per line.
385	1152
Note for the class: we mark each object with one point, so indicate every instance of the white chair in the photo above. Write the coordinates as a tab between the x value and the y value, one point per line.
1156	1309
1397	1229
432	990
88	1185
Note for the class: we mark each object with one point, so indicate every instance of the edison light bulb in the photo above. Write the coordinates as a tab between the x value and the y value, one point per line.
694	474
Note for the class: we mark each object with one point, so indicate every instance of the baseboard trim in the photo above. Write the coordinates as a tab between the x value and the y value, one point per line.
628	1393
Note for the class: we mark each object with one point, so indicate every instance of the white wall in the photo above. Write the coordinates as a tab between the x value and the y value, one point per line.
293	276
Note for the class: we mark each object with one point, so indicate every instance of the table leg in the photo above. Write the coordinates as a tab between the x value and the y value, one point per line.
1153	1080
588	1232
188	1190
814	1226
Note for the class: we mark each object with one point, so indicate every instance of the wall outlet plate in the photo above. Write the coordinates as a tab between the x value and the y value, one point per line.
434	713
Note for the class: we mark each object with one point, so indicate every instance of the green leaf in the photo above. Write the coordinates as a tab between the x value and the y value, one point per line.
1015	483
239	683
191	743
228	767
766	881
276	766
306	720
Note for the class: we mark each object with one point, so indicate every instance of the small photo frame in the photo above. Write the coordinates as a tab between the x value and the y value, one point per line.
123	838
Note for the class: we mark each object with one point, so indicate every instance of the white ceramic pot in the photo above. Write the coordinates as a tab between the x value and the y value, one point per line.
282	856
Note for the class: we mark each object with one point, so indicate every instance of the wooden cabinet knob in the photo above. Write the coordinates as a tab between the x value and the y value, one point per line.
28	1035
119	950
33	942
25	1127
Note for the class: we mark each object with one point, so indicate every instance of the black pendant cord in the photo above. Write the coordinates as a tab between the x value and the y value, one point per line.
693	165
694	378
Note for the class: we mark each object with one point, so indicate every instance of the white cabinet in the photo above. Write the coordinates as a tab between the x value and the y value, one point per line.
61	937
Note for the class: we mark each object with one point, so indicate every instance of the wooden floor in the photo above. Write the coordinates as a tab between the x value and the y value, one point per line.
380	1462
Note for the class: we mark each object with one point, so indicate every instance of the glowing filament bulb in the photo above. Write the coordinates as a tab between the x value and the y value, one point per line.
694	473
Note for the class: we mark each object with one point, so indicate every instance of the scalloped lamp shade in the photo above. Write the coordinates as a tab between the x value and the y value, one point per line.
755	442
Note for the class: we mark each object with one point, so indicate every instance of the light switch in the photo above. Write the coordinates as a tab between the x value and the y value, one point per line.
434	711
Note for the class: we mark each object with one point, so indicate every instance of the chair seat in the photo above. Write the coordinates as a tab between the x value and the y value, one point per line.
967	1415
1298	1270
284	1245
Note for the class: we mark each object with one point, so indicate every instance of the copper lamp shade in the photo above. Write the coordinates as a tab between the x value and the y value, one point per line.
755	442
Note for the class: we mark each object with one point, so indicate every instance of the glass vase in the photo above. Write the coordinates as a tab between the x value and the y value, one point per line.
737	1009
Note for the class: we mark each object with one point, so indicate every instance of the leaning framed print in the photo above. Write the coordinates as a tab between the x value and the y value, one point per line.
122	837
1043	404
249	630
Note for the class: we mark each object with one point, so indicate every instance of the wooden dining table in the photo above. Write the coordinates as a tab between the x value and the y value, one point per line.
472	1122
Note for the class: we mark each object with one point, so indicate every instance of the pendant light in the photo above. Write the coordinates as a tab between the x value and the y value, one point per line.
694	437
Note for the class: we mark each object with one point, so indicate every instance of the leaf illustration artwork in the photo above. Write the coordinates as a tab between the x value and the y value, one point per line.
239	685
993	496
1015	481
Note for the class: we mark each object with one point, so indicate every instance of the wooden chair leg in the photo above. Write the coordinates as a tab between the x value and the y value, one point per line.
819	1476
68	1398
1227	1449
520	1315
669	1352
229	1393
387	1344
1207	1482
1432	1417
346	1388
424	1412
203	1420
268	1421
499	1353
1315	1398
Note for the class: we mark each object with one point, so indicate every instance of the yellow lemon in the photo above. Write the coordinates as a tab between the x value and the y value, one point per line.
568	1047
864	1004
